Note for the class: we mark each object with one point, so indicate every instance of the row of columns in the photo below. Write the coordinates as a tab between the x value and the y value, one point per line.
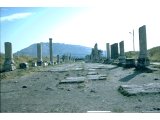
142	60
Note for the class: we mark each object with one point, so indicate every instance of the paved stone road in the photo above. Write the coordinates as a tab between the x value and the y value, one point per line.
41	91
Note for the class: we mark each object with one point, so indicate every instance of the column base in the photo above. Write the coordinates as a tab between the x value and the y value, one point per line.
129	63
9	67
142	62
39	63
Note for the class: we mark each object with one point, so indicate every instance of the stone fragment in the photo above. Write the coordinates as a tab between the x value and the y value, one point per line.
92	73
96	77
23	65
129	90
129	62
24	86
73	80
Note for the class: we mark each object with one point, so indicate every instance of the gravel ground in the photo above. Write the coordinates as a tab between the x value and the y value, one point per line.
41	92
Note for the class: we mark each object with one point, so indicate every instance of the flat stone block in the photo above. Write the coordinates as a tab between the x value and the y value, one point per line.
130	62
77	69
96	77
73	80
92	73
91	69
129	90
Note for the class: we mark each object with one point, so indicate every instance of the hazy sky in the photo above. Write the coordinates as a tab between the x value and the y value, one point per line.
85	26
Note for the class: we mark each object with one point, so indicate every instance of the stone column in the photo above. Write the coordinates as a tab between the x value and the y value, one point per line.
9	64
58	59
114	51
143	56
122	54
39	54
108	51
50	50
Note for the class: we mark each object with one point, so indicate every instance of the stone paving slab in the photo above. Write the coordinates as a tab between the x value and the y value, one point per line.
73	80
96	77
92	73
129	90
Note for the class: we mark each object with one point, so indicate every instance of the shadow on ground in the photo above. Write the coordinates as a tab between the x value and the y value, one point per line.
129	77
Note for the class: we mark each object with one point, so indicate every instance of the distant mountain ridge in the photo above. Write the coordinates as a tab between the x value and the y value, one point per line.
58	49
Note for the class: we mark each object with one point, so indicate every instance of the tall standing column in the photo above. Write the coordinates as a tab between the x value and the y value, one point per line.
58	59
114	51
39	54
122	54
108	51
9	62
51	50
143	56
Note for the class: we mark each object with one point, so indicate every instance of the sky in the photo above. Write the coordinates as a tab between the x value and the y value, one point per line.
111	23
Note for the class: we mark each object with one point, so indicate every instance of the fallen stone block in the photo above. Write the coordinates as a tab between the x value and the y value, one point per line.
96	77
23	65
73	80
129	90
92	73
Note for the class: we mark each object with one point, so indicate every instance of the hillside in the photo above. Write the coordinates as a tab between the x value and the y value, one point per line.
153	53
58	49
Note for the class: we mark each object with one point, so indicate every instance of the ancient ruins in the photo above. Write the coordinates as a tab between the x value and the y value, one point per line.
143	59
39	54
9	61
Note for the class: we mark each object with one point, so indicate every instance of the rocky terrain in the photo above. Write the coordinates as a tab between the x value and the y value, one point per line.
41	90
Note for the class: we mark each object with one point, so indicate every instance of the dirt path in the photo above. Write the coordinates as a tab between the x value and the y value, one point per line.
41	91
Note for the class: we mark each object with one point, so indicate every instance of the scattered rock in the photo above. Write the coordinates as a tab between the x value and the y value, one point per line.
93	91
68	89
24	86
156	79
156	109
96	77
48	88
15	81
92	73
139	100
73	80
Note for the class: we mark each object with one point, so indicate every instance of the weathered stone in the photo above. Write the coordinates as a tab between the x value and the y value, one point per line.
129	90
129	62
58	59
114	51
23	65
92	73
9	62
143	55
95	54
45	64
39	54
96	77
34	64
73	80
108	51
122	54
51	51
24	86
